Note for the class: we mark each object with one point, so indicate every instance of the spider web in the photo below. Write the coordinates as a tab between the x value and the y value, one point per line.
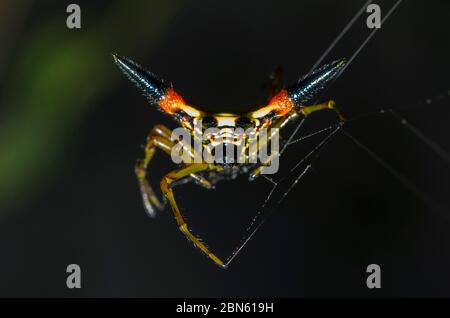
305	164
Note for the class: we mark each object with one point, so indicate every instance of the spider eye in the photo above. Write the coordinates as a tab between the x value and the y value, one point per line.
208	122
244	122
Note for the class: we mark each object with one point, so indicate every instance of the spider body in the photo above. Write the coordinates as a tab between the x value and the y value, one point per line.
210	131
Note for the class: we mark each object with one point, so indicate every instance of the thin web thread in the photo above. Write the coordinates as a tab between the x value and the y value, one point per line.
339	37
322	145
355	54
246	239
407	183
333	44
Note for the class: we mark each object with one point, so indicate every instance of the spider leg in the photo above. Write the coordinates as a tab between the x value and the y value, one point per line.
159	137
167	183
305	111
166	132
263	143
331	104
202	181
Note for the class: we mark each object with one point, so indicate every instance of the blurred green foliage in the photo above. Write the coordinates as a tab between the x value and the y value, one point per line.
57	74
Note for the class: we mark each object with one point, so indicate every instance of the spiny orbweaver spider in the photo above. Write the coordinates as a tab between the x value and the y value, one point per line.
283	107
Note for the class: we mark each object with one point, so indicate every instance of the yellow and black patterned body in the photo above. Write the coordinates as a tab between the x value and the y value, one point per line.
217	130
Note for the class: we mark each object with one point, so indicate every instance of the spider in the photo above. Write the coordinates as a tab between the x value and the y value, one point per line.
285	105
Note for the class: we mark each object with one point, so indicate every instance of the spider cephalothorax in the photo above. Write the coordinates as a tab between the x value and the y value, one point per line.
221	129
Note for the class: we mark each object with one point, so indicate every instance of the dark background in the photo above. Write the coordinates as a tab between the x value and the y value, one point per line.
71	127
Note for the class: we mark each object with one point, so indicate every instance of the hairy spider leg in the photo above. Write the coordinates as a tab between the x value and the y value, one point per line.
159	137
168	183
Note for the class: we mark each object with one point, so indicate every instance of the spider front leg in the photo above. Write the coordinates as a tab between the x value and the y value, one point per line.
303	111
159	137
331	104
167	184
